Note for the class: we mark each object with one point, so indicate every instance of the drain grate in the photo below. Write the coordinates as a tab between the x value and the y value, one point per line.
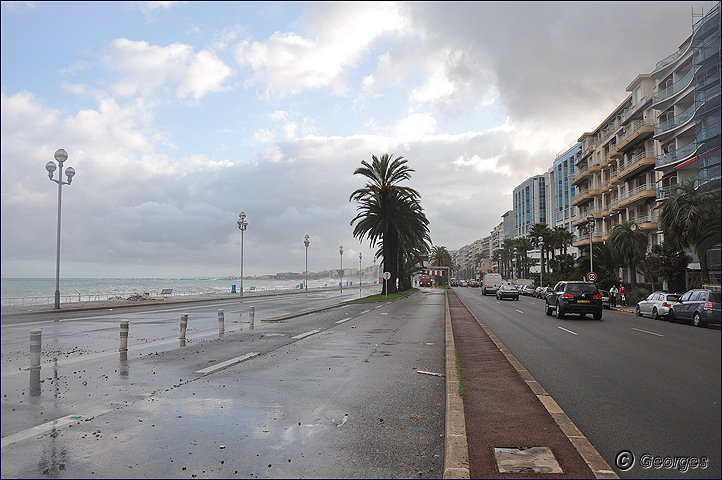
526	460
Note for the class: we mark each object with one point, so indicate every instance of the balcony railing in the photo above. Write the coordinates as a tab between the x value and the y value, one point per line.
709	52
646	219
663	63
633	127
675	121
675	88
704	23
679	154
711	130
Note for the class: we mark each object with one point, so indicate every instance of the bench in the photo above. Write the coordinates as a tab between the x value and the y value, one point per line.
166	292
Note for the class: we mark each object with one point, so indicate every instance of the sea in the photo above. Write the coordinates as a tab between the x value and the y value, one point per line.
22	291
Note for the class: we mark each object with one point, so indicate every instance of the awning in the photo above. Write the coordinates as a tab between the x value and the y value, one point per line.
669	175
693	159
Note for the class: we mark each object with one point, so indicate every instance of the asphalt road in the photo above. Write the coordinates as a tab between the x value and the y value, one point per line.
630	384
333	394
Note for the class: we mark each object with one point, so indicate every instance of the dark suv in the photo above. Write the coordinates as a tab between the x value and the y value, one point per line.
574	297
698	307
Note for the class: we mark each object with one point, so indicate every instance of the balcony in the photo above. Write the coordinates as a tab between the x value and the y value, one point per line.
677	155
637	130
636	164
675	121
583	239
647	222
673	89
663	64
637	194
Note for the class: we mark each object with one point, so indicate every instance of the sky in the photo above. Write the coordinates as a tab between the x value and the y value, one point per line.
176	116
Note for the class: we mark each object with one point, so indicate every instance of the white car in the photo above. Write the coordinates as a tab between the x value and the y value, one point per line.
657	304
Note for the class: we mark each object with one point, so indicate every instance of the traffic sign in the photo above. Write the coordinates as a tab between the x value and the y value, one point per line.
591	277
387	275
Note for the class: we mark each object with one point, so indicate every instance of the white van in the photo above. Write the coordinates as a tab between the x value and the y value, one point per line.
491	283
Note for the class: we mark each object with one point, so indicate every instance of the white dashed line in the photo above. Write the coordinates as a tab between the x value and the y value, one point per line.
518	310
47	426
651	333
228	363
304	335
573	333
344	320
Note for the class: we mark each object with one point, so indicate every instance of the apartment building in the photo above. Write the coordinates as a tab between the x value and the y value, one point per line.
615	179
560	192
529	205
687	108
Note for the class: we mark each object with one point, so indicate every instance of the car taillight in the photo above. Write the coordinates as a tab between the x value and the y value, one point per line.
567	295
708	306
598	295
665	304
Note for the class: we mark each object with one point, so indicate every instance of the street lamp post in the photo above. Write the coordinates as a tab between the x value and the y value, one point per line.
590	219
541	260
306	242
515	265
359	274
60	156
340	252
242	225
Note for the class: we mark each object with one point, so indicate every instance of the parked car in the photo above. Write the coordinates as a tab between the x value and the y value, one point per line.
605	299
507	290
657	304
574	297
698	306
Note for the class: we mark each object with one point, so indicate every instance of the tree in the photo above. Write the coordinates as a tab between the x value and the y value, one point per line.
691	219
670	264
541	230
440	256
389	214
629	243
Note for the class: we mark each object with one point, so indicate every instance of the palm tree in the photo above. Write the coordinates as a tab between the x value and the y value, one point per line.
629	243
541	230
690	219
389	214
440	256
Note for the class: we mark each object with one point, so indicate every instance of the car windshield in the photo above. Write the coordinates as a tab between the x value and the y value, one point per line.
581	288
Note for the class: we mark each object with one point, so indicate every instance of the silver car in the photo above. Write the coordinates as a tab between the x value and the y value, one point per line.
657	304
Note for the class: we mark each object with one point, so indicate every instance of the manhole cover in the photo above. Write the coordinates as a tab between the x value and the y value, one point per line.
526	460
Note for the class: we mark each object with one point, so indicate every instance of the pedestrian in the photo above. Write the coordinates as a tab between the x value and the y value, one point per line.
613	296
623	294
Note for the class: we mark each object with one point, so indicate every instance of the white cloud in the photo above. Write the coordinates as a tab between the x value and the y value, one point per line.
146	68
339	34
415	126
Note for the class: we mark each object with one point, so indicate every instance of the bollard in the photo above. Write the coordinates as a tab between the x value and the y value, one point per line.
35	344
252	316
183	326
123	336
221	320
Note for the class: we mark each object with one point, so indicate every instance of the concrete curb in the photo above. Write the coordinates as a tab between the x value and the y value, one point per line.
599	467
456	447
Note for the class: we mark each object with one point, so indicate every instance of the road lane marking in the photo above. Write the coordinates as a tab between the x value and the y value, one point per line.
228	363
518	310
651	333
307	334
47	426
573	333
365	311
344	320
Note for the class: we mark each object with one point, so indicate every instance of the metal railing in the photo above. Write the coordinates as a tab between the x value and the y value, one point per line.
666	61
675	88
678	154
675	121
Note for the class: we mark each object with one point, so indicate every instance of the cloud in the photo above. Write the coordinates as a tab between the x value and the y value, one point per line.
338	35
145	69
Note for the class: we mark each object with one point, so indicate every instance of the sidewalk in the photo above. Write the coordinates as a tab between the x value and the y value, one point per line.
505	408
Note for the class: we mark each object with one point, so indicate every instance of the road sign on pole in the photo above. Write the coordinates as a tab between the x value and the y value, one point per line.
591	277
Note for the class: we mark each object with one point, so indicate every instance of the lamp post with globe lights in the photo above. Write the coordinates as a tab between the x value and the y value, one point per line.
541	260
60	156
242	225
307	243
590	219
340	252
